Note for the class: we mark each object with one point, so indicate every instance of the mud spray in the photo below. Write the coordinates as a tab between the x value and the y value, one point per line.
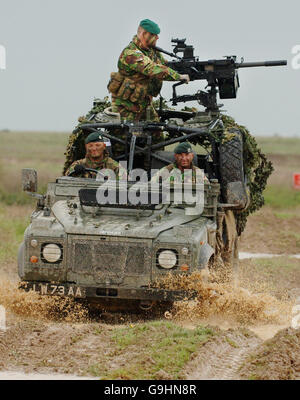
226	302
220	301
31	304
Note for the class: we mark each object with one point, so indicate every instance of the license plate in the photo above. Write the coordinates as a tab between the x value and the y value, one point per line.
57	290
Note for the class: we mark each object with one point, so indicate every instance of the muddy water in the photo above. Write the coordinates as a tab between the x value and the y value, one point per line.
44	308
218	303
245	255
13	375
228	305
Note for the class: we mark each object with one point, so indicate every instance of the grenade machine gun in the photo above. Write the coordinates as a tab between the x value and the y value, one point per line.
221	75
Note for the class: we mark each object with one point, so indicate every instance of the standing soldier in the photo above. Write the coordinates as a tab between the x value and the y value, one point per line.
141	72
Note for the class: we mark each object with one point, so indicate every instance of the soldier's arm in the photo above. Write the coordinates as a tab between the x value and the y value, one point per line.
72	166
162	58
119	171
138	62
121	174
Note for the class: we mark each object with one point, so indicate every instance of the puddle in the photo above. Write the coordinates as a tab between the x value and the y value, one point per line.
245	255
19	375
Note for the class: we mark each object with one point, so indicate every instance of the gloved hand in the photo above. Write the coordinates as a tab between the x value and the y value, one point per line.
79	169
185	78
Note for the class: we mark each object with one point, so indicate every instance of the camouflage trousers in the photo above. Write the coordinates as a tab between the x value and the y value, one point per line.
147	114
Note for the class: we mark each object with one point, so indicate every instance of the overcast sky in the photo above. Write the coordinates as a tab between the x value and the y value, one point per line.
59	55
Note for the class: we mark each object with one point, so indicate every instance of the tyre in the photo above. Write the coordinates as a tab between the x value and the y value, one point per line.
233	181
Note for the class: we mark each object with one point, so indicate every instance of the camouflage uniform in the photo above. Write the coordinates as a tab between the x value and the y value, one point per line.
139	78
106	163
164	173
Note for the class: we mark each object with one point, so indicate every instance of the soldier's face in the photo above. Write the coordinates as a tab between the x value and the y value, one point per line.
184	160
95	149
149	39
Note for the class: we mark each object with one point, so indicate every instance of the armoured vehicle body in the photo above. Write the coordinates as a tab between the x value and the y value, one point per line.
77	246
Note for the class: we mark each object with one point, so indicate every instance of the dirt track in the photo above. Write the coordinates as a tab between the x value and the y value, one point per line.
36	341
45	337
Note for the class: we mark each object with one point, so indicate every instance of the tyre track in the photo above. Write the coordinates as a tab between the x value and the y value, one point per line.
220	358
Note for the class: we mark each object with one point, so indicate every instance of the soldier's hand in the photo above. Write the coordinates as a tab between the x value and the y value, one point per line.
79	169
185	78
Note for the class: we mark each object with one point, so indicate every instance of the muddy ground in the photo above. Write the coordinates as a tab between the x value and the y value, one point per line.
236	326
240	331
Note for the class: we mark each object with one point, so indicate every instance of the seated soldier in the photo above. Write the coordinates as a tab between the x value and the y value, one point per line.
182	168
96	157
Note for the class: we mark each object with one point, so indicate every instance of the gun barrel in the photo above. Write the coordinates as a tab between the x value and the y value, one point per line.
261	64
166	52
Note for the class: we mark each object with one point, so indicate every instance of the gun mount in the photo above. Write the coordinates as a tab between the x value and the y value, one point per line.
221	75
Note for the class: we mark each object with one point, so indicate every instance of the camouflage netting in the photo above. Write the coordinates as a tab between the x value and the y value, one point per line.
75	147
257	169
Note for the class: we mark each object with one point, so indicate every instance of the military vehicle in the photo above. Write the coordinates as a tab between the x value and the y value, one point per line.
79	246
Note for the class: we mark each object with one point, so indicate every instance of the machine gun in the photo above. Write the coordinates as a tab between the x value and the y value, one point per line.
221	75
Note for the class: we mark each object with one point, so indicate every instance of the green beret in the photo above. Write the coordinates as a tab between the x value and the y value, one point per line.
184	147
150	26
94	137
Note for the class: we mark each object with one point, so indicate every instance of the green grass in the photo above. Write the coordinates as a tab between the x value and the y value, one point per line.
232	343
281	197
33	146
43	151
12	229
149	348
276	265
279	145
286	215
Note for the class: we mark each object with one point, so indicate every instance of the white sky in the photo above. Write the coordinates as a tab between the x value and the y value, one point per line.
59	55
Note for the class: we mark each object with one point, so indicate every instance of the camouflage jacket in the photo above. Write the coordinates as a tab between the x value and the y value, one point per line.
106	163
140	76
172	172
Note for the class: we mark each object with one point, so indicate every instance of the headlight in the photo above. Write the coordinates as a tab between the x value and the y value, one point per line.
51	252
34	243
167	259
185	251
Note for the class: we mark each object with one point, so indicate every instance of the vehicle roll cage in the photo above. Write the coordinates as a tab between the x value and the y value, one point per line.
144	130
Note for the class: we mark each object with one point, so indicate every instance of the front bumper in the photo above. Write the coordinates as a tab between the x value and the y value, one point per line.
93	293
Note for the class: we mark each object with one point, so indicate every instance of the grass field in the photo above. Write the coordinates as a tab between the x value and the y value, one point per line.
41	151
44	151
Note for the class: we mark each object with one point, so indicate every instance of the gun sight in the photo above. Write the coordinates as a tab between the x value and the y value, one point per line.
178	41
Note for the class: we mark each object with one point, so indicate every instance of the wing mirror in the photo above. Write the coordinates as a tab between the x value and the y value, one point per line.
29	180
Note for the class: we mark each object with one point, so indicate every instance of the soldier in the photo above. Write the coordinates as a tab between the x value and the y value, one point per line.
141	72
183	167
97	158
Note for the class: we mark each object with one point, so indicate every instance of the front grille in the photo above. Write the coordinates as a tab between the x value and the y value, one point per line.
110	260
